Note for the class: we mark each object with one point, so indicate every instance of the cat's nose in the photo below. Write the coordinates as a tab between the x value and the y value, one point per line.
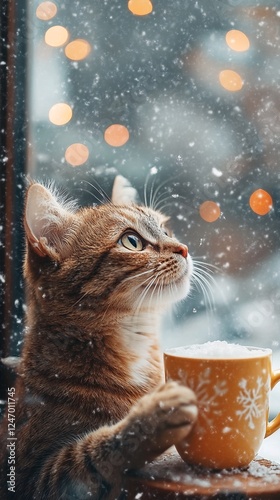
183	250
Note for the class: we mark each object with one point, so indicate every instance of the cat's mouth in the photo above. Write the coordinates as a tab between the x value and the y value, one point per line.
181	273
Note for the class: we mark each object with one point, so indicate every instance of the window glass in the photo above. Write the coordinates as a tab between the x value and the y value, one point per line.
182	98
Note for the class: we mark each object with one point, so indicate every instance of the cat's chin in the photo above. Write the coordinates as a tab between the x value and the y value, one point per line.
179	289
176	291
170	293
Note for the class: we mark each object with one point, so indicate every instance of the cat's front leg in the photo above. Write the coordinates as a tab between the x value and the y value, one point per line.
94	464
155	422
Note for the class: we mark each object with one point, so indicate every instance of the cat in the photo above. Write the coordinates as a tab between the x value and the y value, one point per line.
91	400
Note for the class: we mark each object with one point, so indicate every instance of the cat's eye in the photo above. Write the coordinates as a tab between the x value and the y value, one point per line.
132	241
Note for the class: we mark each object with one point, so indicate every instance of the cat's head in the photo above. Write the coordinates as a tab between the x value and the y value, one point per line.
117	254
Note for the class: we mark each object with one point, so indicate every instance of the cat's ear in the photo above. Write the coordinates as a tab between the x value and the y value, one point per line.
47	223
123	193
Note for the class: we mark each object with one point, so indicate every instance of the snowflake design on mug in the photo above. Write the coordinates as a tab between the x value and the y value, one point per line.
209	396
250	401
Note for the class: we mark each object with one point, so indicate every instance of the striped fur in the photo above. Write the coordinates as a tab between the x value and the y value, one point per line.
92	403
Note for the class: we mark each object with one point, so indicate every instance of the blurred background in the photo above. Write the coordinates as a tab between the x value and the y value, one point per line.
180	97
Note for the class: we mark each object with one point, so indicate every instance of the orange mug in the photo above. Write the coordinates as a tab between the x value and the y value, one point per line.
232	390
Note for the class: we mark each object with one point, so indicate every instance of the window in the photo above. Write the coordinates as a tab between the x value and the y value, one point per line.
182	98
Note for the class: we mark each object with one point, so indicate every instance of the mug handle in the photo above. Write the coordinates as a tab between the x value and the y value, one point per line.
275	423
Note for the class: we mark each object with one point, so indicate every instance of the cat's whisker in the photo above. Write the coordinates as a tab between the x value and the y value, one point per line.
206	274
203	264
144	293
99	199
157	290
160	202
207	299
164	203
138	276
126	279
147	282
160	293
145	191
140	285
151	194
155	295
155	202
203	273
154	194
164	206
174	290
205	287
152	280
165	194
99	190
148	177
80	299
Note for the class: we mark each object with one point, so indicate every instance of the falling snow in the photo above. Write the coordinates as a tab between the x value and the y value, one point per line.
187	133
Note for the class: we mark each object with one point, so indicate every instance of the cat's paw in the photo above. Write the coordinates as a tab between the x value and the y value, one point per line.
176	406
156	422
164	417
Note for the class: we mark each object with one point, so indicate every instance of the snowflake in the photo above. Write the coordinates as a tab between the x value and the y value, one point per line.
208	395
252	408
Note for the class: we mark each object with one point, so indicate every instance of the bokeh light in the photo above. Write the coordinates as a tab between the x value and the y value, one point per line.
60	113
77	50
116	135
209	211
237	40
230	80
261	202
56	36
46	11
140	7
76	154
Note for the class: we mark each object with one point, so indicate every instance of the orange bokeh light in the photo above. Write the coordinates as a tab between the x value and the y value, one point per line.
116	135
46	11
260	202
56	36
230	80
76	154
209	211
237	40
60	113
140	7
77	50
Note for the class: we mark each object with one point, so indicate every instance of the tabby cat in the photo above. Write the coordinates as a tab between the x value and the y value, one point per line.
91	398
